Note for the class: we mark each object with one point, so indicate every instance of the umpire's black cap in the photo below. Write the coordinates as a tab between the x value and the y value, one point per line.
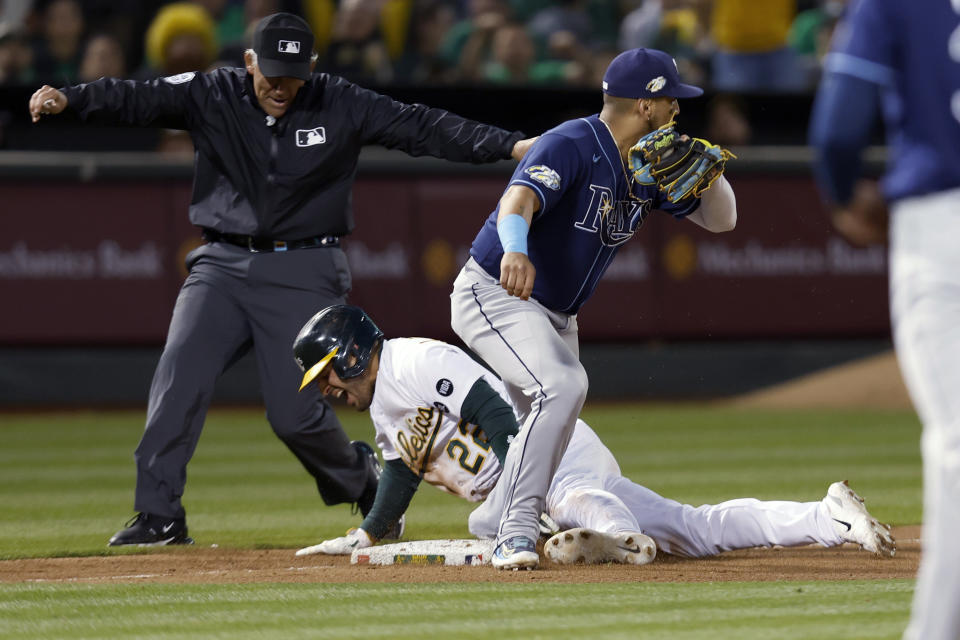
284	45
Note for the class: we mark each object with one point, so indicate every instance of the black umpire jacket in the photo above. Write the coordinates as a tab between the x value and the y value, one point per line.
290	178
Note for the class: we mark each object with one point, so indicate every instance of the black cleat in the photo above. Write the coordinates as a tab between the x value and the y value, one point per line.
146	530
365	501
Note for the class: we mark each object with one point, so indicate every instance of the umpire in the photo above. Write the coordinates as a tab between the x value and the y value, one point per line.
276	156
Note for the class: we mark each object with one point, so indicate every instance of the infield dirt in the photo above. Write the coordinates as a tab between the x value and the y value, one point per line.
867	383
199	564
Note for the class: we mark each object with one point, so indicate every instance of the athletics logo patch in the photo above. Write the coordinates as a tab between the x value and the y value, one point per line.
545	176
444	387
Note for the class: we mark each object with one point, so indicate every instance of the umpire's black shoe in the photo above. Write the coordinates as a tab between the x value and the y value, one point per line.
148	530
365	501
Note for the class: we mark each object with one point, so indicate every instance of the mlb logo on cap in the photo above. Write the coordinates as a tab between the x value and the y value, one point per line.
284	44
646	73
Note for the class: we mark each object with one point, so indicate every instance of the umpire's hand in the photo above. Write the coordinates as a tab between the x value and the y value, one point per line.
521	147
46	100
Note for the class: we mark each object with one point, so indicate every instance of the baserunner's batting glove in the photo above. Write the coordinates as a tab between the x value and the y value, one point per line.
680	166
344	545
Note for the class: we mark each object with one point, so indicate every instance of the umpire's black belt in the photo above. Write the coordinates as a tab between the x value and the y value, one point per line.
266	245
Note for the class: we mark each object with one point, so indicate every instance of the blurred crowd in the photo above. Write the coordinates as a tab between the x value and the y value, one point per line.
730	47
736	46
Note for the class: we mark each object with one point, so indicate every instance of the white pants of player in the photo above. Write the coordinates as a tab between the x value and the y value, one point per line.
589	491
536	353
925	309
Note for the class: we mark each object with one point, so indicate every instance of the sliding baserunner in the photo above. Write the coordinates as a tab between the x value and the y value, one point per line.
442	417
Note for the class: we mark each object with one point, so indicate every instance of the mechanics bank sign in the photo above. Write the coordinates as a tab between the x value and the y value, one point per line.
836	257
107	261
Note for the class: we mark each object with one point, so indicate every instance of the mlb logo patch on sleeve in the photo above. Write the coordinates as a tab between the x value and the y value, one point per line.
180	78
310	137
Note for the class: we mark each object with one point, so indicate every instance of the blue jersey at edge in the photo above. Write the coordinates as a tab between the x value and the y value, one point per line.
587	212
913	51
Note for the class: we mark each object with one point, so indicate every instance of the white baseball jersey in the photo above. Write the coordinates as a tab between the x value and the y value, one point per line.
420	389
421	386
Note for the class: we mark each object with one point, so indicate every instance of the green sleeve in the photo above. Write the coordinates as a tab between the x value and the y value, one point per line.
394	492
485	408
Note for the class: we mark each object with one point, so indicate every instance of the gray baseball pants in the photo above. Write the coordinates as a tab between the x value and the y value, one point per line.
536	353
234	300
925	311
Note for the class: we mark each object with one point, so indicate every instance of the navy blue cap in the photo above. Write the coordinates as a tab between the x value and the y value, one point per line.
646	73
284	45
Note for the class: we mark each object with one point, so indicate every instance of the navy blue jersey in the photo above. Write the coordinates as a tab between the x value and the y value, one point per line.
912	50
588	209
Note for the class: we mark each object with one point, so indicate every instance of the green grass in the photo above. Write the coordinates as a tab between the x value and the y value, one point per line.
700	454
66	484
66	479
864	609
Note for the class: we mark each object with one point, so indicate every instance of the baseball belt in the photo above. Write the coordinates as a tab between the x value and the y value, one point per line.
256	244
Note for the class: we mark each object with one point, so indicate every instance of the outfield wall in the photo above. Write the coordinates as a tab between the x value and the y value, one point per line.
93	246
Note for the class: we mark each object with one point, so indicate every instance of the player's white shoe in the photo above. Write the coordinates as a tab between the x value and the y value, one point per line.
592	547
855	524
518	552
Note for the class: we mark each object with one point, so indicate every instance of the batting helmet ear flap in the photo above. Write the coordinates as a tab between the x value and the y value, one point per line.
310	374
341	336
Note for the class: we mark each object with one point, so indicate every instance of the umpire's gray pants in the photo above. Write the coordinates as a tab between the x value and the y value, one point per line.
536	353
233	300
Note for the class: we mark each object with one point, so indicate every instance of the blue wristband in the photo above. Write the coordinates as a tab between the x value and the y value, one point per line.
513	229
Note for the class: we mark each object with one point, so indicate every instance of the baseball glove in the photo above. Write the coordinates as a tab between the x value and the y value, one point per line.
680	166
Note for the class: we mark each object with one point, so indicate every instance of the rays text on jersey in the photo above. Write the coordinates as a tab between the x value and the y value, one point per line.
615	220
